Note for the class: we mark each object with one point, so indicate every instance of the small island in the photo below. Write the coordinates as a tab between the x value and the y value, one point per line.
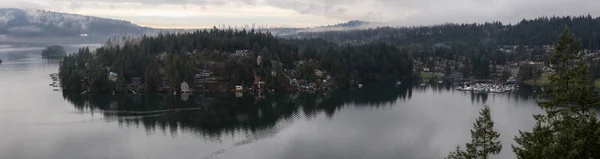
54	52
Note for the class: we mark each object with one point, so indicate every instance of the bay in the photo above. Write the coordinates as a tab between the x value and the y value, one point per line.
378	121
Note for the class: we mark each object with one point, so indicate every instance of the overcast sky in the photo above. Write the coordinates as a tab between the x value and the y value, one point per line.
304	13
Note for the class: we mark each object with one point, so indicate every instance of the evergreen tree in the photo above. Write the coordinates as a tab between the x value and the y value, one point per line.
569	128
484	139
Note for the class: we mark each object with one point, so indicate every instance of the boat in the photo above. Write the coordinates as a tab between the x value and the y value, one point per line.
440	82
399	83
423	84
468	88
360	85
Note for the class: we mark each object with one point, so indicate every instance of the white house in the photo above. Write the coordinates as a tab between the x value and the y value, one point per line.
185	88
112	76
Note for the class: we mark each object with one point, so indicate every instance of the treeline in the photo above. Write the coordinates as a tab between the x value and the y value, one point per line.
235	57
534	32
474	44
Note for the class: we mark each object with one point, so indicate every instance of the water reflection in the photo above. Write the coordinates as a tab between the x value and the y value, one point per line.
217	114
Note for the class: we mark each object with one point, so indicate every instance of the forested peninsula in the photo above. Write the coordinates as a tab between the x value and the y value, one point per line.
241	60
228	60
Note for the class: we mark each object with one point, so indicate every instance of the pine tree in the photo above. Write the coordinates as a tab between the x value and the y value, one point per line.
569	128
484	139
458	154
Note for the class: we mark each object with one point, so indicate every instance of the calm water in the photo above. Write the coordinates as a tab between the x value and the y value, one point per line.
378	121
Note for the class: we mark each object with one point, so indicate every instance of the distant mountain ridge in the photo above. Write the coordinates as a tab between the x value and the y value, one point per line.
350	25
36	23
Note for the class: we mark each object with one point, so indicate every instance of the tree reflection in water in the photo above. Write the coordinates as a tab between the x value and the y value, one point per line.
213	115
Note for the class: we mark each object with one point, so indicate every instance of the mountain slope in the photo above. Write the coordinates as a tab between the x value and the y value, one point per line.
35	23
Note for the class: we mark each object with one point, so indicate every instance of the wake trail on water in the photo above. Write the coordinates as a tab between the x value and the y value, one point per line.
154	113
150	112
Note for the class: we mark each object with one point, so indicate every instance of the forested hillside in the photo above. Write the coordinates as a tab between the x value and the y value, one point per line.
535	32
475	49
221	59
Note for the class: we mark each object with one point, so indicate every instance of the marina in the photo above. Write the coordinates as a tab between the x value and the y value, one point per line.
482	87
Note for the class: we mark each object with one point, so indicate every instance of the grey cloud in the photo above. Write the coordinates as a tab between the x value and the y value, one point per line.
420	12
400	12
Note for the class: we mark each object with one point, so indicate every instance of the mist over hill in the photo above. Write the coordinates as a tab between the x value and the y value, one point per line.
39	26
37	23
350	25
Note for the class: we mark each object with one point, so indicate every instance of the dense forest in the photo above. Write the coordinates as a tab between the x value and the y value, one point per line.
221	59
473	48
535	32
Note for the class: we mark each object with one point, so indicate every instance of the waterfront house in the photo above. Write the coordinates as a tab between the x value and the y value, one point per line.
294	82
185	88
318	73
112	76
258	60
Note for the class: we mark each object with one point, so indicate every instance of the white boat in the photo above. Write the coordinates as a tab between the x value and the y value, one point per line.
360	85
399	83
